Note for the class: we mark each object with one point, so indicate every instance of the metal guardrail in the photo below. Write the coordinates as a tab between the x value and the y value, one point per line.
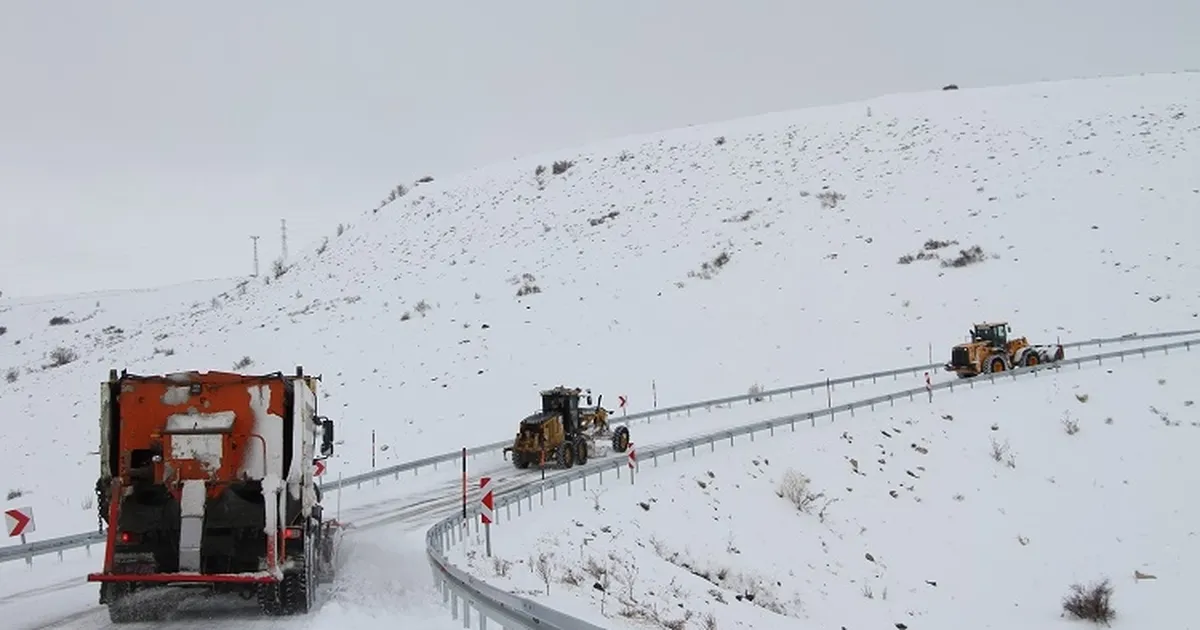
86	539
464	592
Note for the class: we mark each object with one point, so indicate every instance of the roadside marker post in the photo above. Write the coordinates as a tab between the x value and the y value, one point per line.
632	462
487	511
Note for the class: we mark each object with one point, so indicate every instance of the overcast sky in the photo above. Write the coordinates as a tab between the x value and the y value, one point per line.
141	143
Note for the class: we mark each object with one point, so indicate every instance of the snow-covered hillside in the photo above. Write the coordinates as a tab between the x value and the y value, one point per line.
979	509
770	250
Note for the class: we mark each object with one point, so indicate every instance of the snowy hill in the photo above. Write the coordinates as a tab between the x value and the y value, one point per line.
980	508
770	250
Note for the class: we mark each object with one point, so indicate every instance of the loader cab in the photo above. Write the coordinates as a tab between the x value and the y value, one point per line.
995	333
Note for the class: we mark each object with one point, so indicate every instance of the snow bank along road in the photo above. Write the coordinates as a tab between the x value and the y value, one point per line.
465	593
376	507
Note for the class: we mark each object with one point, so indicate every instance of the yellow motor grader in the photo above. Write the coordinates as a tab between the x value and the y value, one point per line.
990	350
563	433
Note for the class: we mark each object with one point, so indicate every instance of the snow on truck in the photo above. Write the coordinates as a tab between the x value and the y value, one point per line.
207	480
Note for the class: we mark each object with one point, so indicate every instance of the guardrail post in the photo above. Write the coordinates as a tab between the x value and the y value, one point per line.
751	436
530	497
693	444
584	478
454	604
813	419
568	487
793	423
731	439
482	620
674	455
508	511
554	492
466	613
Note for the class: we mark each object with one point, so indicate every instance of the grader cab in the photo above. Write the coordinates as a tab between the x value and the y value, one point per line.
990	350
562	432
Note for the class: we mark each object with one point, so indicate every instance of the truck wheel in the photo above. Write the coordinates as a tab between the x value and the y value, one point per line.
519	460
119	610
620	439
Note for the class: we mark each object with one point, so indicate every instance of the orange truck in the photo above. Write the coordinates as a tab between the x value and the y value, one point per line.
207	480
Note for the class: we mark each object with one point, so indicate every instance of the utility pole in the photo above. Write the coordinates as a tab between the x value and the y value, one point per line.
283	235
255	239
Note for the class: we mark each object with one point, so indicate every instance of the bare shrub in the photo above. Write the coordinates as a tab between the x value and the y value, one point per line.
906	259
830	198
711	268
425	180
965	257
61	356
244	363
933	244
1003	453
59	320
12	375
1070	425
422	307
3	329
1090	603
501	566
561	166
15	493
795	488
341	229
323	246
545	569
600	220
278	268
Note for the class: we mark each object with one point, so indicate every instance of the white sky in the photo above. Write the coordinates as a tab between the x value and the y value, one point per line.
141	143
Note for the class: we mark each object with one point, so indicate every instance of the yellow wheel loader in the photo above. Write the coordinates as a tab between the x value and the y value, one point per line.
990	350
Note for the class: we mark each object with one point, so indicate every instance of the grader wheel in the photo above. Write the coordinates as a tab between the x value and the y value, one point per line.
565	455
620	439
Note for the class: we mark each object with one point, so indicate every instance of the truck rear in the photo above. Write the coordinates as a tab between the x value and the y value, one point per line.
207	480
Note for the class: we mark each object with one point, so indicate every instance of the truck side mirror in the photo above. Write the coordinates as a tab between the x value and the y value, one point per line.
326	437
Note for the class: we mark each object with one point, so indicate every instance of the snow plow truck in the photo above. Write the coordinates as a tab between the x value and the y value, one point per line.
207	481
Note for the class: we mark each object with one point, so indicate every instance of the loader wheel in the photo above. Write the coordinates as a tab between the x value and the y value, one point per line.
996	364
581	451
519	460
620	439
1032	358
565	454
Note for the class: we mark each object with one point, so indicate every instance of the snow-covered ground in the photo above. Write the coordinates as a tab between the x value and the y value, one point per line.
695	263
979	509
698	261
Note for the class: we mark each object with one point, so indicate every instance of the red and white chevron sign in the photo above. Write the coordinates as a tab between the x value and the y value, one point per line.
632	456
19	521
486	512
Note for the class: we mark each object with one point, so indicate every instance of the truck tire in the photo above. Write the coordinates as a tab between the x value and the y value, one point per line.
519	460
119	610
293	595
